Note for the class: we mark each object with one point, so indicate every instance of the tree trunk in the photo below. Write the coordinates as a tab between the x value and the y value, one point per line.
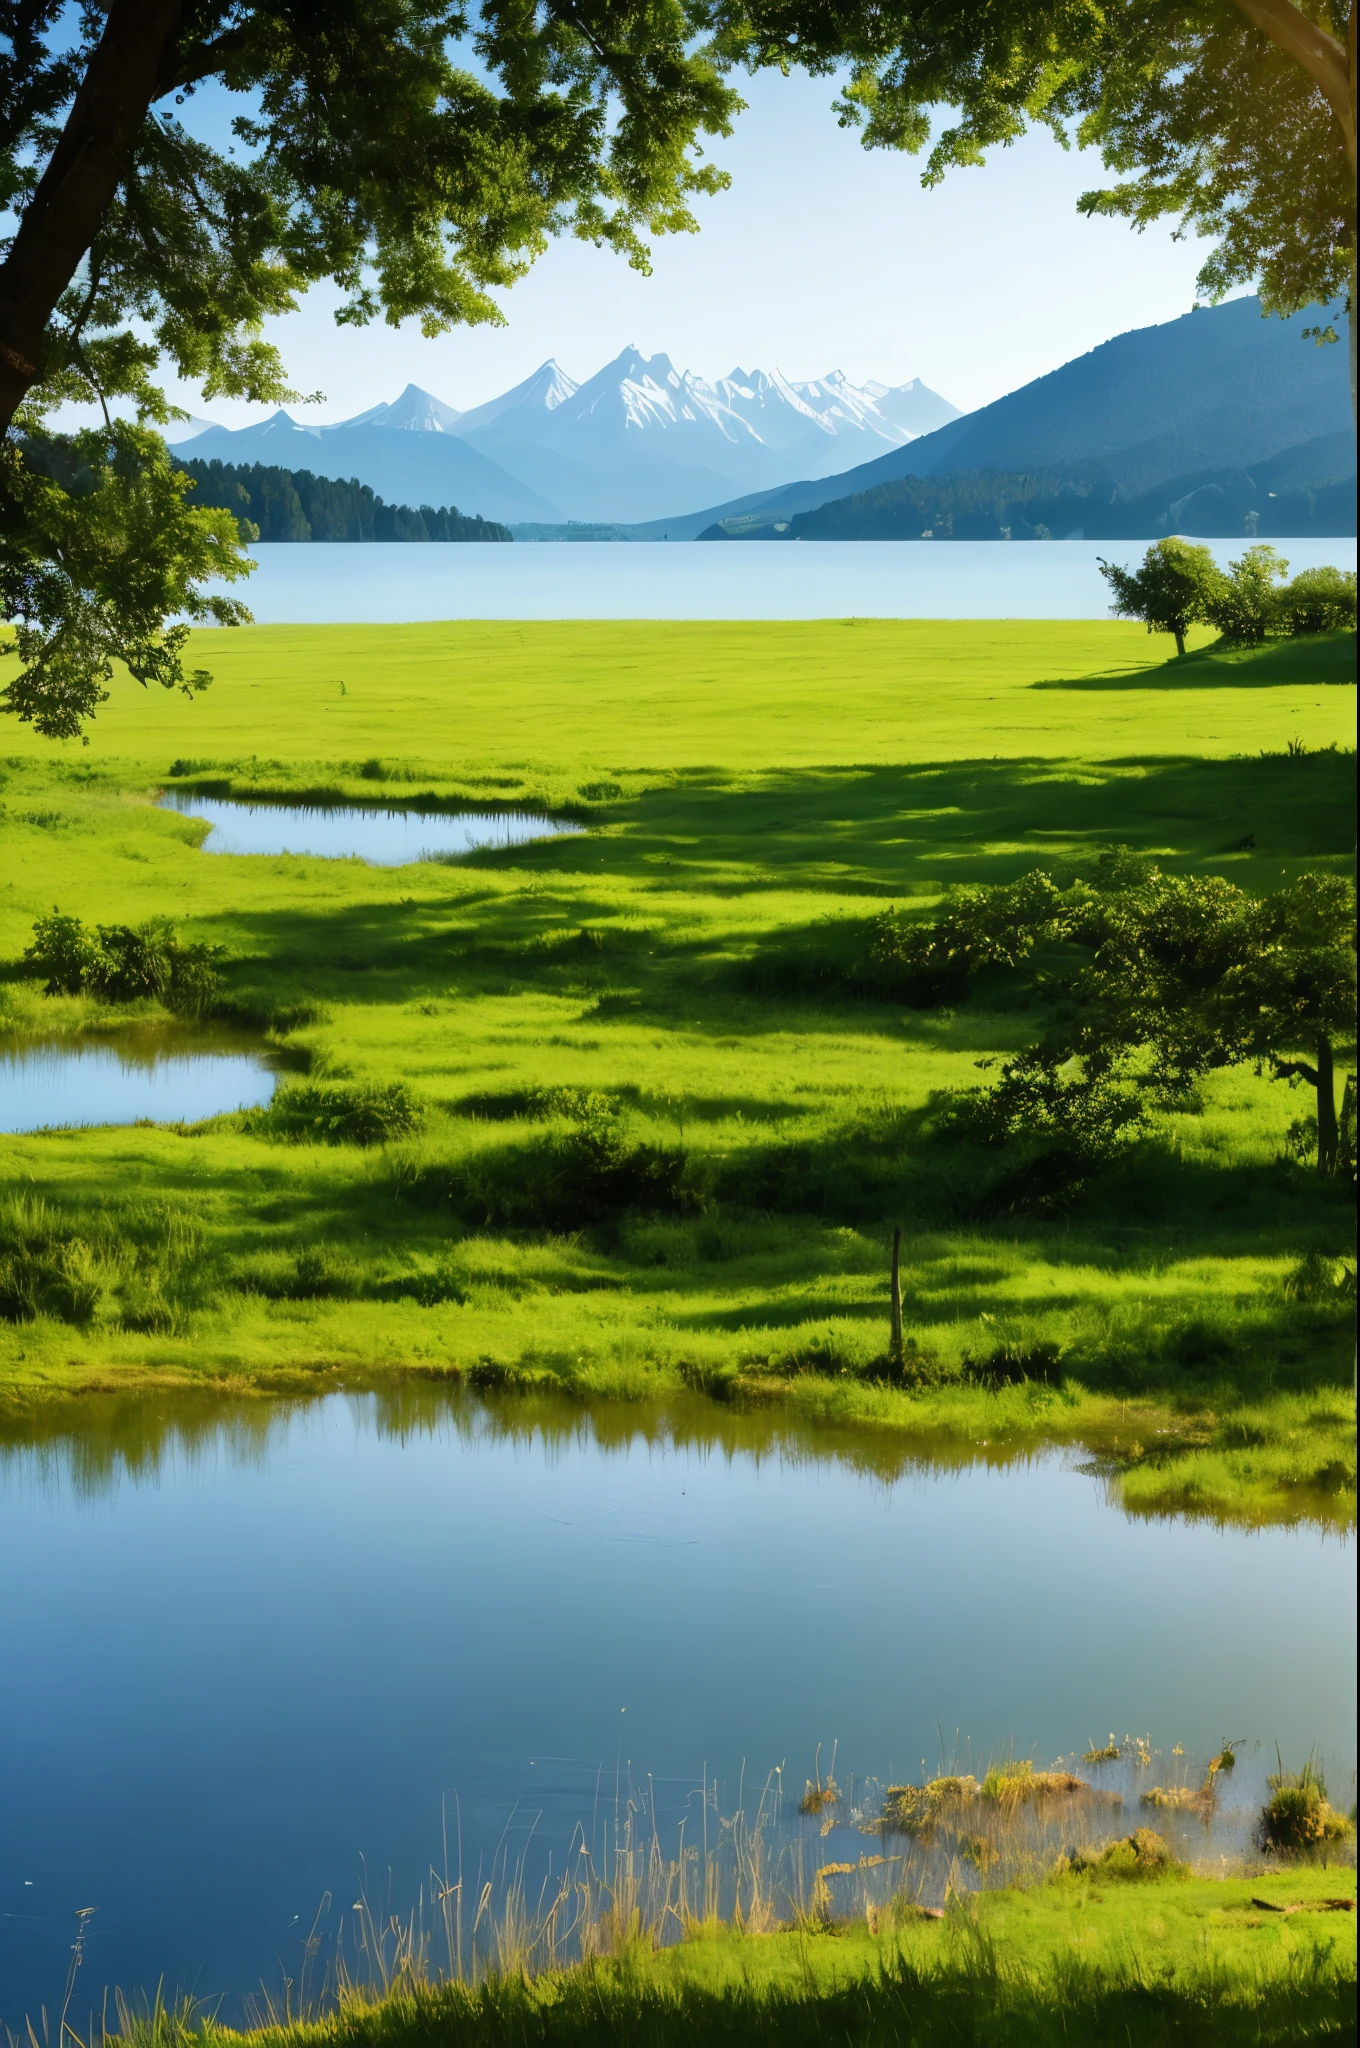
895	1351
1180	639
127	72
1326	1108
1350	338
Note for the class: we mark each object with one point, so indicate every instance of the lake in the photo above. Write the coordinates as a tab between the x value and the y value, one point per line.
329	583
247	1646
381	836
164	1075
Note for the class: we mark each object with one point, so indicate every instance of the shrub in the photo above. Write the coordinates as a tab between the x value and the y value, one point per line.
1297	1816
124	964
315	1113
1139	1858
1317	601
61	951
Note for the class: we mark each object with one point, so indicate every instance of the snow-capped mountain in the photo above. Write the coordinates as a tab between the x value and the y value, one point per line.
642	439
415	412
639	440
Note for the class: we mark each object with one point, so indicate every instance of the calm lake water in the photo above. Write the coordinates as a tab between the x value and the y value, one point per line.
384	838
329	583
165	1076
244	1653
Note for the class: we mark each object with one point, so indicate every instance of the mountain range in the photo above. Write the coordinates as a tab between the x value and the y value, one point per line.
635	441
1222	388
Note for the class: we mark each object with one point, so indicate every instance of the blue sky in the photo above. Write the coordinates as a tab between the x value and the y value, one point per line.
821	256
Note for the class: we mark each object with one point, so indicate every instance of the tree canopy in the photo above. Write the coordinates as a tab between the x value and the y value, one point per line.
1170	591
1162	979
420	153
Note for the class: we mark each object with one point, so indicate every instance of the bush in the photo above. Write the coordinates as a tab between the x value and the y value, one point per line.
1317	601
61	951
313	1113
121	963
1297	1816
1139	1858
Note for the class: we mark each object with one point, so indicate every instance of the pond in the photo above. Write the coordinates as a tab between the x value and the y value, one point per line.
250	1647
383	837
330	583
166	1075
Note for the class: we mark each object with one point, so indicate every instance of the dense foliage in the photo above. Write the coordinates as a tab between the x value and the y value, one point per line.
293	504
416	153
1179	585
1170	592
1160	979
120	963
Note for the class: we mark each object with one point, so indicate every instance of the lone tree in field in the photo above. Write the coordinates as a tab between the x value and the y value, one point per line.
1172	591
420	153
1184	975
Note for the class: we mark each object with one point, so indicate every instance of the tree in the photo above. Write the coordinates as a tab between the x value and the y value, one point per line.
1172	591
1246	604
1318	600
1183	975
418	153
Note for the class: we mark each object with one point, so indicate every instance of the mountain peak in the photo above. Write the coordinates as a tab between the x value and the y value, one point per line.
416	411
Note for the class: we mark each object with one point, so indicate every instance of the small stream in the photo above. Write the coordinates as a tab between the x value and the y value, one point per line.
382	836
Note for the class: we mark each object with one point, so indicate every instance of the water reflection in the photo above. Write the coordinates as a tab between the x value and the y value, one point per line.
383	837
158	1075
259	1640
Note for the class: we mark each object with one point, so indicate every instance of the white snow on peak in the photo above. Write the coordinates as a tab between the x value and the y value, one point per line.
525	403
416	411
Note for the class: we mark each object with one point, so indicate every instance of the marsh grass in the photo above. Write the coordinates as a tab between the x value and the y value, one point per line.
748	1931
1298	1818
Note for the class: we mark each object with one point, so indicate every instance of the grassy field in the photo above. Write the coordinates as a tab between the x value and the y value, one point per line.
662	1144
1073	1962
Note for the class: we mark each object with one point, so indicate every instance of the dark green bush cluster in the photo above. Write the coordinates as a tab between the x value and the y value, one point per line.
122	963
334	1113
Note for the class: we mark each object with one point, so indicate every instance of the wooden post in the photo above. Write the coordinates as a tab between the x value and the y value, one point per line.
895	1349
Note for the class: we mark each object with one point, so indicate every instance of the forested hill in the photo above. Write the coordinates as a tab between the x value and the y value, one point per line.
1303	492
292	504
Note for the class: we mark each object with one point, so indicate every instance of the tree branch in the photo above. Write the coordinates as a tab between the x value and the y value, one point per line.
192	66
1326	61
1286	1070
73	195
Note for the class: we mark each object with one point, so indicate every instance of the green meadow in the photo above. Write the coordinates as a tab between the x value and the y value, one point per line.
663	1140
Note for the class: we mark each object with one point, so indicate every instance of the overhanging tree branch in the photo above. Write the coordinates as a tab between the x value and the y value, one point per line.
77	187
1326	61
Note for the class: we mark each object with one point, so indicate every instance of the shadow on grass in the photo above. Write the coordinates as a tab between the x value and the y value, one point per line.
614	913
1319	659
